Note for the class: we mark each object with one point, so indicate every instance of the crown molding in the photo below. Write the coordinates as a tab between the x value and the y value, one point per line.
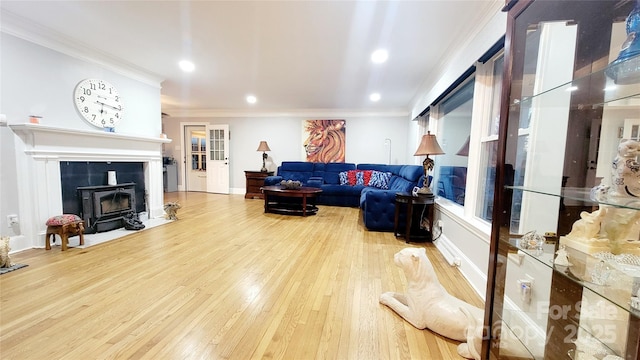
312	113
27	30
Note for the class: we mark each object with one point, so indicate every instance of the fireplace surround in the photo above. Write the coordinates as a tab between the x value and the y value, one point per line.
43	148
76	174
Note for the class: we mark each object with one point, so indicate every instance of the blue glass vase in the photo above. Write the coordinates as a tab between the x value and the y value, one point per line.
626	68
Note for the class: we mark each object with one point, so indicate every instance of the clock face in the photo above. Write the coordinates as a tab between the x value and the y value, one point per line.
98	102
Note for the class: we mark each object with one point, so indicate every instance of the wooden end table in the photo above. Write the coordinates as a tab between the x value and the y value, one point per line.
409	201
272	205
255	180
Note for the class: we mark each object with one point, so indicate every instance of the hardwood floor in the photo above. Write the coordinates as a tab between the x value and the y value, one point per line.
226	281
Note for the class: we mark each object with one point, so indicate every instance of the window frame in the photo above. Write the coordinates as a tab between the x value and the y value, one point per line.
481	119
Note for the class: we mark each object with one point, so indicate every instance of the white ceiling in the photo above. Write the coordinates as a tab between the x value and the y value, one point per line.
292	55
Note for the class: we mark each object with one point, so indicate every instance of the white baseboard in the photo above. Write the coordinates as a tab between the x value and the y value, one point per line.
18	243
475	276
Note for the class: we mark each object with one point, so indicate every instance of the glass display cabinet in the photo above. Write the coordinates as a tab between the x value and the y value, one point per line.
564	271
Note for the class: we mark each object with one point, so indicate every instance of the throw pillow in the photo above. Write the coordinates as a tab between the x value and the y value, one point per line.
344	180
380	179
367	176
351	175
363	177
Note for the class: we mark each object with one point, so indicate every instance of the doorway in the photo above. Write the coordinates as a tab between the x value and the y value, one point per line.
206	157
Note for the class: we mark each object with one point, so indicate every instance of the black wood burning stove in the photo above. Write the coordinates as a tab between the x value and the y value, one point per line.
105	207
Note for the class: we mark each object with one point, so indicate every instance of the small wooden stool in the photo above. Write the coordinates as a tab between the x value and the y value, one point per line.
64	226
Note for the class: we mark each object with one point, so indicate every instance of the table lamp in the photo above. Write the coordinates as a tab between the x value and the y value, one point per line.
428	146
263	147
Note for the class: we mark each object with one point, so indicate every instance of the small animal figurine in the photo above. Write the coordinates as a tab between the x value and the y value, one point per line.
5	260
171	210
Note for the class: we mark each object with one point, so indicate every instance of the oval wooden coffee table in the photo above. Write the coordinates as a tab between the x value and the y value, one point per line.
274	196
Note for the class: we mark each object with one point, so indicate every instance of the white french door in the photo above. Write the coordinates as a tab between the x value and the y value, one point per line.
217	141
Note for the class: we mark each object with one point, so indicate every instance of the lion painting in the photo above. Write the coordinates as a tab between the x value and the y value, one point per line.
325	141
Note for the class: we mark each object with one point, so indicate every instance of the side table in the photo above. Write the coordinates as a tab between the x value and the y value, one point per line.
255	180
408	201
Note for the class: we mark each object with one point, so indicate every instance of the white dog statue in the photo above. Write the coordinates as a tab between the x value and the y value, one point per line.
427	305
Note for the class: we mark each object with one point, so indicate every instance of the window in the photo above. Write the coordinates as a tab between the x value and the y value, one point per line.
455	121
489	141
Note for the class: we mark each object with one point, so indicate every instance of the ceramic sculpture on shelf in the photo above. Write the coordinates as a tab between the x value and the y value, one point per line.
625	177
562	258
615	226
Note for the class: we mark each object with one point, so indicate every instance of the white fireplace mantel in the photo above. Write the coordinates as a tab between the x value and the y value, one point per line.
39	153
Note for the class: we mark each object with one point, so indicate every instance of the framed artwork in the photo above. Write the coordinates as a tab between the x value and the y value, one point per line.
323	140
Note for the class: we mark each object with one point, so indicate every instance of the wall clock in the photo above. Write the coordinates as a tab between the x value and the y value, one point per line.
98	102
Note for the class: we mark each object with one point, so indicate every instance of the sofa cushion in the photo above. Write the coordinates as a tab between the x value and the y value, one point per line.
297	166
411	173
400	184
296	170
342	190
332	171
380	179
296	175
332	178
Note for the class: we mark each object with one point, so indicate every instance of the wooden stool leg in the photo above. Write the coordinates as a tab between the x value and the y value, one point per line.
81	232
47	244
64	236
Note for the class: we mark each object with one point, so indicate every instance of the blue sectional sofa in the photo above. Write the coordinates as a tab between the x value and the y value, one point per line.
376	200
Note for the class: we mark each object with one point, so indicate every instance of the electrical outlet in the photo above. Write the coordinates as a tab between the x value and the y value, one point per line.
12	220
439	224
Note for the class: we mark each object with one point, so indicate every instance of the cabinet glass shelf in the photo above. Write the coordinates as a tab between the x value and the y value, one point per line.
613	95
620	278
583	195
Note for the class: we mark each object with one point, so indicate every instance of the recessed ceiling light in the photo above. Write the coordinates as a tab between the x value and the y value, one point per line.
374	97
251	99
610	87
379	56
186	66
571	88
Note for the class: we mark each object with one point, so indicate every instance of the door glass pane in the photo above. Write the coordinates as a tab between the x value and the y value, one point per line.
195	162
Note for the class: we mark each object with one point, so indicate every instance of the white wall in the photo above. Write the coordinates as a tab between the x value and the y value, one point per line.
365	141
40	81
37	80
